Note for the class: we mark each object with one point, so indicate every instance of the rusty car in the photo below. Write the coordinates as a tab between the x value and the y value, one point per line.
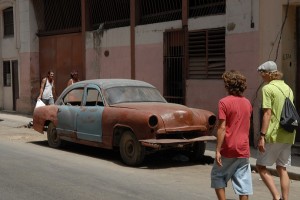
130	116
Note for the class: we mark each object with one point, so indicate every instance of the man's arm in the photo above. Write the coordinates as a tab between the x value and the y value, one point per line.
42	88
220	138
264	128
53	91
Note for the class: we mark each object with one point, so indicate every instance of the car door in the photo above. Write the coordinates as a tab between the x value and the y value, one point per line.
89	119
68	110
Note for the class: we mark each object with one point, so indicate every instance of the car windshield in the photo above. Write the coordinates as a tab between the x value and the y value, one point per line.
132	94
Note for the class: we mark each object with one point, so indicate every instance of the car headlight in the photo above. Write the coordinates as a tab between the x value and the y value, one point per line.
153	121
212	120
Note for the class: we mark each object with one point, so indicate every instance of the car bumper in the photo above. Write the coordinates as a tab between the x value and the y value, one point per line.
159	143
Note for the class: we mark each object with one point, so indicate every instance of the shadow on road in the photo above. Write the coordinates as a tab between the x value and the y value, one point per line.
157	160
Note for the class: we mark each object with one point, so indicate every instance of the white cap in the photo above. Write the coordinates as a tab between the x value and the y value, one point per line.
268	66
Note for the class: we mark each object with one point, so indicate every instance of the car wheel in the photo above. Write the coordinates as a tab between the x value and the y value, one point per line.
132	152
198	150
53	139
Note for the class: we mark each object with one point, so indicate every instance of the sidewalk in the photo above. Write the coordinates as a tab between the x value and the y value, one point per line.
294	170
15	120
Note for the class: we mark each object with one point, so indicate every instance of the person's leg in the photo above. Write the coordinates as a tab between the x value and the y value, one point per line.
268	180
242	179
284	181
243	197
221	175
221	193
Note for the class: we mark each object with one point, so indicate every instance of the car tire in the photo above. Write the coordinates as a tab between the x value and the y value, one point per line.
198	151
53	139
132	152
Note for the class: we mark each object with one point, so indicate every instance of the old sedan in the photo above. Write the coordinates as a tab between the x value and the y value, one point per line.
128	115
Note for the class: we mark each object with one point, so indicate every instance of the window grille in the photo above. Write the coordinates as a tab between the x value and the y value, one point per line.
206	54
174	81
63	16
198	8
154	11
6	74
110	13
8	22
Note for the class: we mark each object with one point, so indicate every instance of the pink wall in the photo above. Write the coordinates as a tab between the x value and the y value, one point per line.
204	94
243	58
28	81
149	64
115	65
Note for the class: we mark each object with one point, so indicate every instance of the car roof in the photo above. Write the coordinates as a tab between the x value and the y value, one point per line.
110	83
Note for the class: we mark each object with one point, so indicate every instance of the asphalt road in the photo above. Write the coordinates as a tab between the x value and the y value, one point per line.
30	170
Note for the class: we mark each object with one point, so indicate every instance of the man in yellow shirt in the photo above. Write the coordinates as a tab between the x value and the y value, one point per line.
274	143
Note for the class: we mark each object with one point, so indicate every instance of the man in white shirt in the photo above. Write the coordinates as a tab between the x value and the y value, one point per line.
47	90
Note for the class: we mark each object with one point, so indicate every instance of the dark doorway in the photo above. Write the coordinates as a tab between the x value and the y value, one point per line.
15	81
174	76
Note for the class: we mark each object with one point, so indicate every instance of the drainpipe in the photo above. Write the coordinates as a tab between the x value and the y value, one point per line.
83	30
17	26
185	16
132	37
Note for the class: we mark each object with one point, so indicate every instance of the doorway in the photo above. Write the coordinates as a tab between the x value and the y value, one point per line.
174	76
10	84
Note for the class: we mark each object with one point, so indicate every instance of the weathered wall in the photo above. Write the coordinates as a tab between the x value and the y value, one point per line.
28	55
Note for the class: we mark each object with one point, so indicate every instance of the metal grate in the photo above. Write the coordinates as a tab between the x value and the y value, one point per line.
154	11
206	54
174	81
58	15
109	13
198	8
64	16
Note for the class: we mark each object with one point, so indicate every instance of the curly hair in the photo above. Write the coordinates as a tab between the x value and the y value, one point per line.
235	82
277	75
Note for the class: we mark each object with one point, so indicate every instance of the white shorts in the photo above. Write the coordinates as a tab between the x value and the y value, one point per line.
278	153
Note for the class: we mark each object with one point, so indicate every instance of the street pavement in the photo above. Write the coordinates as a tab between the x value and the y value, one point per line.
15	120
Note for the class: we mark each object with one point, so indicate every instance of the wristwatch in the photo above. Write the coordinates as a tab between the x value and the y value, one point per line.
262	134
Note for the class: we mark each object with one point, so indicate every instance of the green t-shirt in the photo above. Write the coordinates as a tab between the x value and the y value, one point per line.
274	99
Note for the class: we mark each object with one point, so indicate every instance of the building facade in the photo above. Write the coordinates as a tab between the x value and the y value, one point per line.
181	46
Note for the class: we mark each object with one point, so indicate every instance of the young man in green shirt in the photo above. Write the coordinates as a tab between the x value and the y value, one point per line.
274	143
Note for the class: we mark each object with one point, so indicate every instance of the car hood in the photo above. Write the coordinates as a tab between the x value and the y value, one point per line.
175	117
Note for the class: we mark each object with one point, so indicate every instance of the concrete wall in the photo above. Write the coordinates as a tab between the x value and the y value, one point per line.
8	51
23	47
149	53
28	56
251	26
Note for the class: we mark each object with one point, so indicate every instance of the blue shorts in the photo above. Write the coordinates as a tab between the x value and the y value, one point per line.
49	101
236	169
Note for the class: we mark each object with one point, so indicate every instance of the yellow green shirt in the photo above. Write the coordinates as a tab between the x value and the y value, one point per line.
274	99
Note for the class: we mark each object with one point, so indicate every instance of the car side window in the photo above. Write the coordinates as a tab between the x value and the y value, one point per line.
74	97
93	98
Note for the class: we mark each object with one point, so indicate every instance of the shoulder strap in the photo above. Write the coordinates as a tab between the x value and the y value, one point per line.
282	91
